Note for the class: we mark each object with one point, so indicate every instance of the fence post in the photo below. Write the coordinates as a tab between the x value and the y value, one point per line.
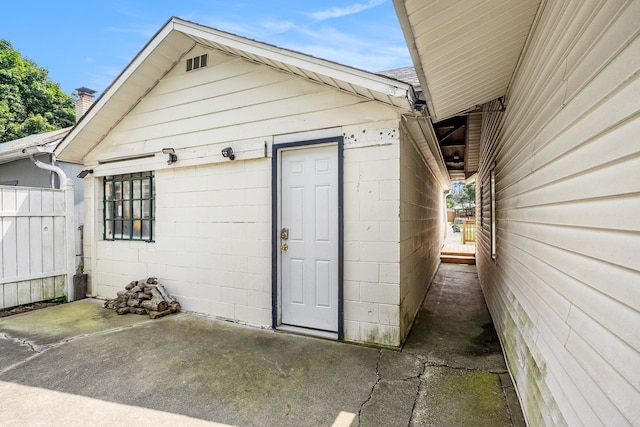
70	240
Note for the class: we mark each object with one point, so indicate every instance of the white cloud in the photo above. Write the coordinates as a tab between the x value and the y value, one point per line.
259	28
372	54
145	32
337	12
278	26
372	46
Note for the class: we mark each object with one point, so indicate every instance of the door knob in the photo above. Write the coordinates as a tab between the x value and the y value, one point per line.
284	247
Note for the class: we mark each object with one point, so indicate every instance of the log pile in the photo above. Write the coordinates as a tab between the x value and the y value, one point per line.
144	297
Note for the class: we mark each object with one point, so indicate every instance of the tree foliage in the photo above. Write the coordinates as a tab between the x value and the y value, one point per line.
30	103
463	195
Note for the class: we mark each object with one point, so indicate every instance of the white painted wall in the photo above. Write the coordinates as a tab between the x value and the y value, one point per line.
564	290
421	229
212	245
372	250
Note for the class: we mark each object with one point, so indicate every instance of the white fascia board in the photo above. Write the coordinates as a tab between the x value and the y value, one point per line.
407	30
330	69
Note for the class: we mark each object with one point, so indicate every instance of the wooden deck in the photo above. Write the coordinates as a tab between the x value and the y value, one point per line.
454	251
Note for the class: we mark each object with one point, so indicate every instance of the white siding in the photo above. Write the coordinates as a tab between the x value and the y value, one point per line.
565	288
228	101
472	149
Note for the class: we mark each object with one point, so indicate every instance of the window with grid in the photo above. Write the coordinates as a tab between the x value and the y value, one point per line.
129	207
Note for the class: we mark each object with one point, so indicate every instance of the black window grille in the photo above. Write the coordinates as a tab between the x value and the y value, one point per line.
129	207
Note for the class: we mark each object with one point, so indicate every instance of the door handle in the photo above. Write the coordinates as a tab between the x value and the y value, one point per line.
284	247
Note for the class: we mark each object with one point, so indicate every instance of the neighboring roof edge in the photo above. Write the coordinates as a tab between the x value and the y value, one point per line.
369	80
21	148
404	74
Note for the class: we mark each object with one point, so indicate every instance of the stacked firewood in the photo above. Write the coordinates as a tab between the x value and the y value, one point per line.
144	297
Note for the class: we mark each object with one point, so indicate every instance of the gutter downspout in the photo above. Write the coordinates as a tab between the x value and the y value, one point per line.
446	212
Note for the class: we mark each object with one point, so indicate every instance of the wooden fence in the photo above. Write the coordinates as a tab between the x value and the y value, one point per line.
37	249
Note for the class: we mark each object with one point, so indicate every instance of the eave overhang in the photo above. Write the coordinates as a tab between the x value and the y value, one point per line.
176	38
465	52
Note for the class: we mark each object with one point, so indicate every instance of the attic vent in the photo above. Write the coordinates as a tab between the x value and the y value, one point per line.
197	62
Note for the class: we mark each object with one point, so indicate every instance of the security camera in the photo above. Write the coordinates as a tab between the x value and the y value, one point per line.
228	152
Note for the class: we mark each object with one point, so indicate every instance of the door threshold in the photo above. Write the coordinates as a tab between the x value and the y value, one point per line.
317	333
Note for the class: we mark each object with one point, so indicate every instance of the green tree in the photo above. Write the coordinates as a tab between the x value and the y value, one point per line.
470	192
463	195
30	103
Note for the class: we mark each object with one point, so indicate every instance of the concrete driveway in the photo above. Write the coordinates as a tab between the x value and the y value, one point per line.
80	364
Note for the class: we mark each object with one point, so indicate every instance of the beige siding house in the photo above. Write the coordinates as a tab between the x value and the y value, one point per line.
263	186
559	180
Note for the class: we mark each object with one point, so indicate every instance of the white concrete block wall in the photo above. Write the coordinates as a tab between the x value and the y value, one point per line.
372	251
421	230
212	246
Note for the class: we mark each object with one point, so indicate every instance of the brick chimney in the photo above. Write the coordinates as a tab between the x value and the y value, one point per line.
84	101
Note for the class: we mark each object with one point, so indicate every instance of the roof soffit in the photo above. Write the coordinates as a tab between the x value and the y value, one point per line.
465	53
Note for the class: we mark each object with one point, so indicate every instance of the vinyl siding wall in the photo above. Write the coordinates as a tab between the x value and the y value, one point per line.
564	290
212	244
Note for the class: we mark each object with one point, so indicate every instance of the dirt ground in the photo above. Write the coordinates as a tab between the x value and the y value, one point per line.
27	307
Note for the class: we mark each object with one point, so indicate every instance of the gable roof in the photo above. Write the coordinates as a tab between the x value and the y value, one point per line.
176	38
465	52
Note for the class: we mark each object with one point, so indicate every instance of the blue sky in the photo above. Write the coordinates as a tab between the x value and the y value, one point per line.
88	43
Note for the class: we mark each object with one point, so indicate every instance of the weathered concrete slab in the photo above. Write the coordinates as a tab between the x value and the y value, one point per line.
454	327
79	364
63	322
391	403
458	397
13	351
208	370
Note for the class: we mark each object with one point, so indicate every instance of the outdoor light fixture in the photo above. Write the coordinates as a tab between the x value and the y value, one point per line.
84	173
172	155
419	105
228	152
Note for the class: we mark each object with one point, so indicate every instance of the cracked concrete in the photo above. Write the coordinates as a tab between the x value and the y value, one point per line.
78	364
451	371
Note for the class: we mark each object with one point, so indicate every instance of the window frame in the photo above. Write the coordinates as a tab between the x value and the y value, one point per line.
481	205
127	212
493	212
